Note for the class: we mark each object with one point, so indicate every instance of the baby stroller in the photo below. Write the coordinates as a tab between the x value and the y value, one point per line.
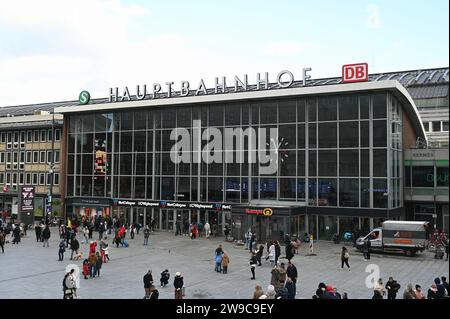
165	278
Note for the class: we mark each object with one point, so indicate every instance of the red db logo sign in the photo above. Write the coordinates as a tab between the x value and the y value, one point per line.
355	73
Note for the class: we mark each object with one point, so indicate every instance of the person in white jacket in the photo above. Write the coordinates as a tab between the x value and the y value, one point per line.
207	229
272	255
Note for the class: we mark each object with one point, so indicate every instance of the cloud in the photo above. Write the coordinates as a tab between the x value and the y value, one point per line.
373	20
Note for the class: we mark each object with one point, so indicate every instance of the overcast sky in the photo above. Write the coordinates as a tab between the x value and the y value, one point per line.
50	50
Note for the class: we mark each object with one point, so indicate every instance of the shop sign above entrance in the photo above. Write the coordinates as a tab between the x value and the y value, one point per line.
265	212
284	79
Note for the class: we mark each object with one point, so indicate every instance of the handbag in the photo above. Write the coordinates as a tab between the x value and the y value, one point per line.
346	255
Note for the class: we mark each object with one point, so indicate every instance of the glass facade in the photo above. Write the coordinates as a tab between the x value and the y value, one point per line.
347	149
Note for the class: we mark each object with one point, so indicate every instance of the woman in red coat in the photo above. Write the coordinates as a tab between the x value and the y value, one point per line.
194	231
92	247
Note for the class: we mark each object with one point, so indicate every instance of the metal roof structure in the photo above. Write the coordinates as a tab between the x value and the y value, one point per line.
421	84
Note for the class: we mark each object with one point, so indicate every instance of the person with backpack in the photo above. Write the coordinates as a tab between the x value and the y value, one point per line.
46	235
253	262
74	246
344	258
69	286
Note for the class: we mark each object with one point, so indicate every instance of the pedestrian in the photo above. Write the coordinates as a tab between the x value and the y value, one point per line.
344	258
259	254
98	264
46	235
253	263
194	231
207	229
178	284
392	287
330	293
289	251
101	230
90	230
290	286
270	292
248	236
74	246
277	251
218	261
132	230
445	284
282	277
92	264
366	249
446	251
432	292
418	293
258	292
62	249
148	282
252	240
225	263
69	233
86	268
92	247
320	291
85	232
105	253
275	277
441	291
2	241
38	232
146	235
409	292
271	255
292	273
377	295
165	276
380	287
16	235
69	285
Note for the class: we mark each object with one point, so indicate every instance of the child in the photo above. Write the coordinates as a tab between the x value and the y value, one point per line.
225	263
165	278
218	260
85	268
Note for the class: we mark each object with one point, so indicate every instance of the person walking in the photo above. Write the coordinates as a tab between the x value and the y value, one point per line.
380	287
289	251
74	246
218	261
432	292
92	264
194	231
85	268
207	229
98	264
441	291
258	292
92	247
409	292
38	232
16	235
148	282
445	284
105	252
259	254
62	249
292	273
253	262
271	255
252	241
85	234
392	287
248	236
146	235
132	230
165	276
277	251
178	284
2	241
225	263
69	285
344	258
366	249
46	235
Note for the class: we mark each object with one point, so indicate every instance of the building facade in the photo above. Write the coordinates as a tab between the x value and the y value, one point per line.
339	162
29	138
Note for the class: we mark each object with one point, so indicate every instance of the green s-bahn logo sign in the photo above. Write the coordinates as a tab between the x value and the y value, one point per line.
84	97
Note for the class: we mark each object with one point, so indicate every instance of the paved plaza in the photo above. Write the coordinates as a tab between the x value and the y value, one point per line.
29	270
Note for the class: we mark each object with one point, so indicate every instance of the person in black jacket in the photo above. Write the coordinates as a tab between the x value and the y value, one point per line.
74	246
292	273
38	231
165	275
178	284
277	252
154	293
377	295
289	253
445	284
366	249
259	254
253	263
46	235
440	289
148	282
392	288
290	286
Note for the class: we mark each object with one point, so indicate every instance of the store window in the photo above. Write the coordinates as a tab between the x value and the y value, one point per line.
327	163
348	192
327	192
423	176
442	176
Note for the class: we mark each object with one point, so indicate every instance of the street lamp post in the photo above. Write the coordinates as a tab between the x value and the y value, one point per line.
48	208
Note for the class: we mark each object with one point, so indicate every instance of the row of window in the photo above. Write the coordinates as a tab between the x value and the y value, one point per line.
18	139
436	126
426	176
32	179
29	157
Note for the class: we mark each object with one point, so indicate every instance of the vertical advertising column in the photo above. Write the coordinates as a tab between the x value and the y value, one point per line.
27	205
